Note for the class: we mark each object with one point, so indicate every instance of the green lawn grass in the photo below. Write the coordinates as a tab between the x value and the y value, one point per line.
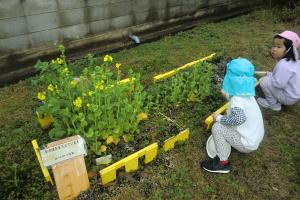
272	172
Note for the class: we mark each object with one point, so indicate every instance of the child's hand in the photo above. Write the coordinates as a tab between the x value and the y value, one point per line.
224	94
214	116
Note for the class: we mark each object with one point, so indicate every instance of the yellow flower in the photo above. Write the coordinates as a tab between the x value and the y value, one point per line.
108	58
77	102
118	65
65	70
88	105
103	148
53	61
51	87
73	83
142	116
109	140
91	93
41	96
59	61
99	86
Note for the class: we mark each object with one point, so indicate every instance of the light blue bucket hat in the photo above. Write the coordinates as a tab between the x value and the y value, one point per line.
239	79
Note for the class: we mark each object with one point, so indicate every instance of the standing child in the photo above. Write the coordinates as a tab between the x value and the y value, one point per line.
242	128
282	86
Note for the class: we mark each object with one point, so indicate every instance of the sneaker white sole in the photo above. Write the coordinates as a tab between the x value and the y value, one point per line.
219	171
274	109
262	104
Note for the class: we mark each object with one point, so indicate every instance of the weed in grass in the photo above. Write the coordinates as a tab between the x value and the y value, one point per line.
209	189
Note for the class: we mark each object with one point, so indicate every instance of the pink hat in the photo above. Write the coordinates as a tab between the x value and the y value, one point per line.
290	35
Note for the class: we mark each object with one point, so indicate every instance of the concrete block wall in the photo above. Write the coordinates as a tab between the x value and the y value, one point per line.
27	25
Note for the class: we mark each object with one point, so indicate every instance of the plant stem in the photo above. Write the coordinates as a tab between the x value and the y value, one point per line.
170	120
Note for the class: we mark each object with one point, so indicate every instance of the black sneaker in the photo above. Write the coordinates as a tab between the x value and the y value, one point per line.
214	165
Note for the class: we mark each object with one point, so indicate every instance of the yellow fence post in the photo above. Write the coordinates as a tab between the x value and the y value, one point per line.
130	163
174	71
182	136
151	153
44	169
209	120
45	121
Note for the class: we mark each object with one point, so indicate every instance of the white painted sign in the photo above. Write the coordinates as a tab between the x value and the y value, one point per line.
67	150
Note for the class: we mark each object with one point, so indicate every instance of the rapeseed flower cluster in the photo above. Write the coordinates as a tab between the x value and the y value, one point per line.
41	96
78	102
107	58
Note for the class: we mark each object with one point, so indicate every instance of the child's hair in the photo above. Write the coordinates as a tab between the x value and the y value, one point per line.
289	55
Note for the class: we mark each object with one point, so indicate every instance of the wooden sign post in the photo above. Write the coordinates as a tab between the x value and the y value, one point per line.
66	158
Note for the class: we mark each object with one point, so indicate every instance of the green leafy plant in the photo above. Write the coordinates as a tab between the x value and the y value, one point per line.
192	85
96	104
